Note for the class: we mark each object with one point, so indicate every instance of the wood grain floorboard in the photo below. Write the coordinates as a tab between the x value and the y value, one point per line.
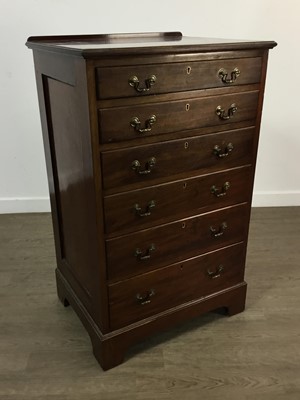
45	354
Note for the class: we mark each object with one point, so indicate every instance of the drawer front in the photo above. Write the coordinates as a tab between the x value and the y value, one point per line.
138	252
154	292
204	153
124	123
143	208
139	80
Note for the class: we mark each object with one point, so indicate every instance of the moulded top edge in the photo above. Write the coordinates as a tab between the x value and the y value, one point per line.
89	46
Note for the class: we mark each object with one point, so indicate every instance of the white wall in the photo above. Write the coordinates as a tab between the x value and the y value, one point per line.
23	182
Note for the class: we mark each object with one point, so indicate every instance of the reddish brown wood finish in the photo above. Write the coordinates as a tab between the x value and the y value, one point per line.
176	158
71	178
175	284
176	77
175	241
90	146
174	116
170	43
122	217
109	349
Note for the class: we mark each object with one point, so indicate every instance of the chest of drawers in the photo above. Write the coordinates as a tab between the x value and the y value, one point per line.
150	143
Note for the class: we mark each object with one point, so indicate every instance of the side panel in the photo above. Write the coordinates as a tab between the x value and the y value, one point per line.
66	131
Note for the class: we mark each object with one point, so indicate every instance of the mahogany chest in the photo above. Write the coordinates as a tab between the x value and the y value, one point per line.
150	143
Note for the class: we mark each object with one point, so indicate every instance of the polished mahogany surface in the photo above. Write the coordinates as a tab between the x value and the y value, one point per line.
150	142
144	43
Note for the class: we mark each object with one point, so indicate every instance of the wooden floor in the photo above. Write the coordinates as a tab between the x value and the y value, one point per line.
46	354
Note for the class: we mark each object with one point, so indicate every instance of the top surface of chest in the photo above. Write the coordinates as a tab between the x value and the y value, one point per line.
91	46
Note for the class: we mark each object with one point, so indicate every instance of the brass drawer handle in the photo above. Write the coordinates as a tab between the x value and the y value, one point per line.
223	75
142	300
140	256
136	124
135	83
136	166
217	273
221	113
219	153
149	207
220	192
218	232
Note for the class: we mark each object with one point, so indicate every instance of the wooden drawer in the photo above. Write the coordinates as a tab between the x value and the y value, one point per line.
176	284
124	123
115	81
174	157
152	248
143	208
